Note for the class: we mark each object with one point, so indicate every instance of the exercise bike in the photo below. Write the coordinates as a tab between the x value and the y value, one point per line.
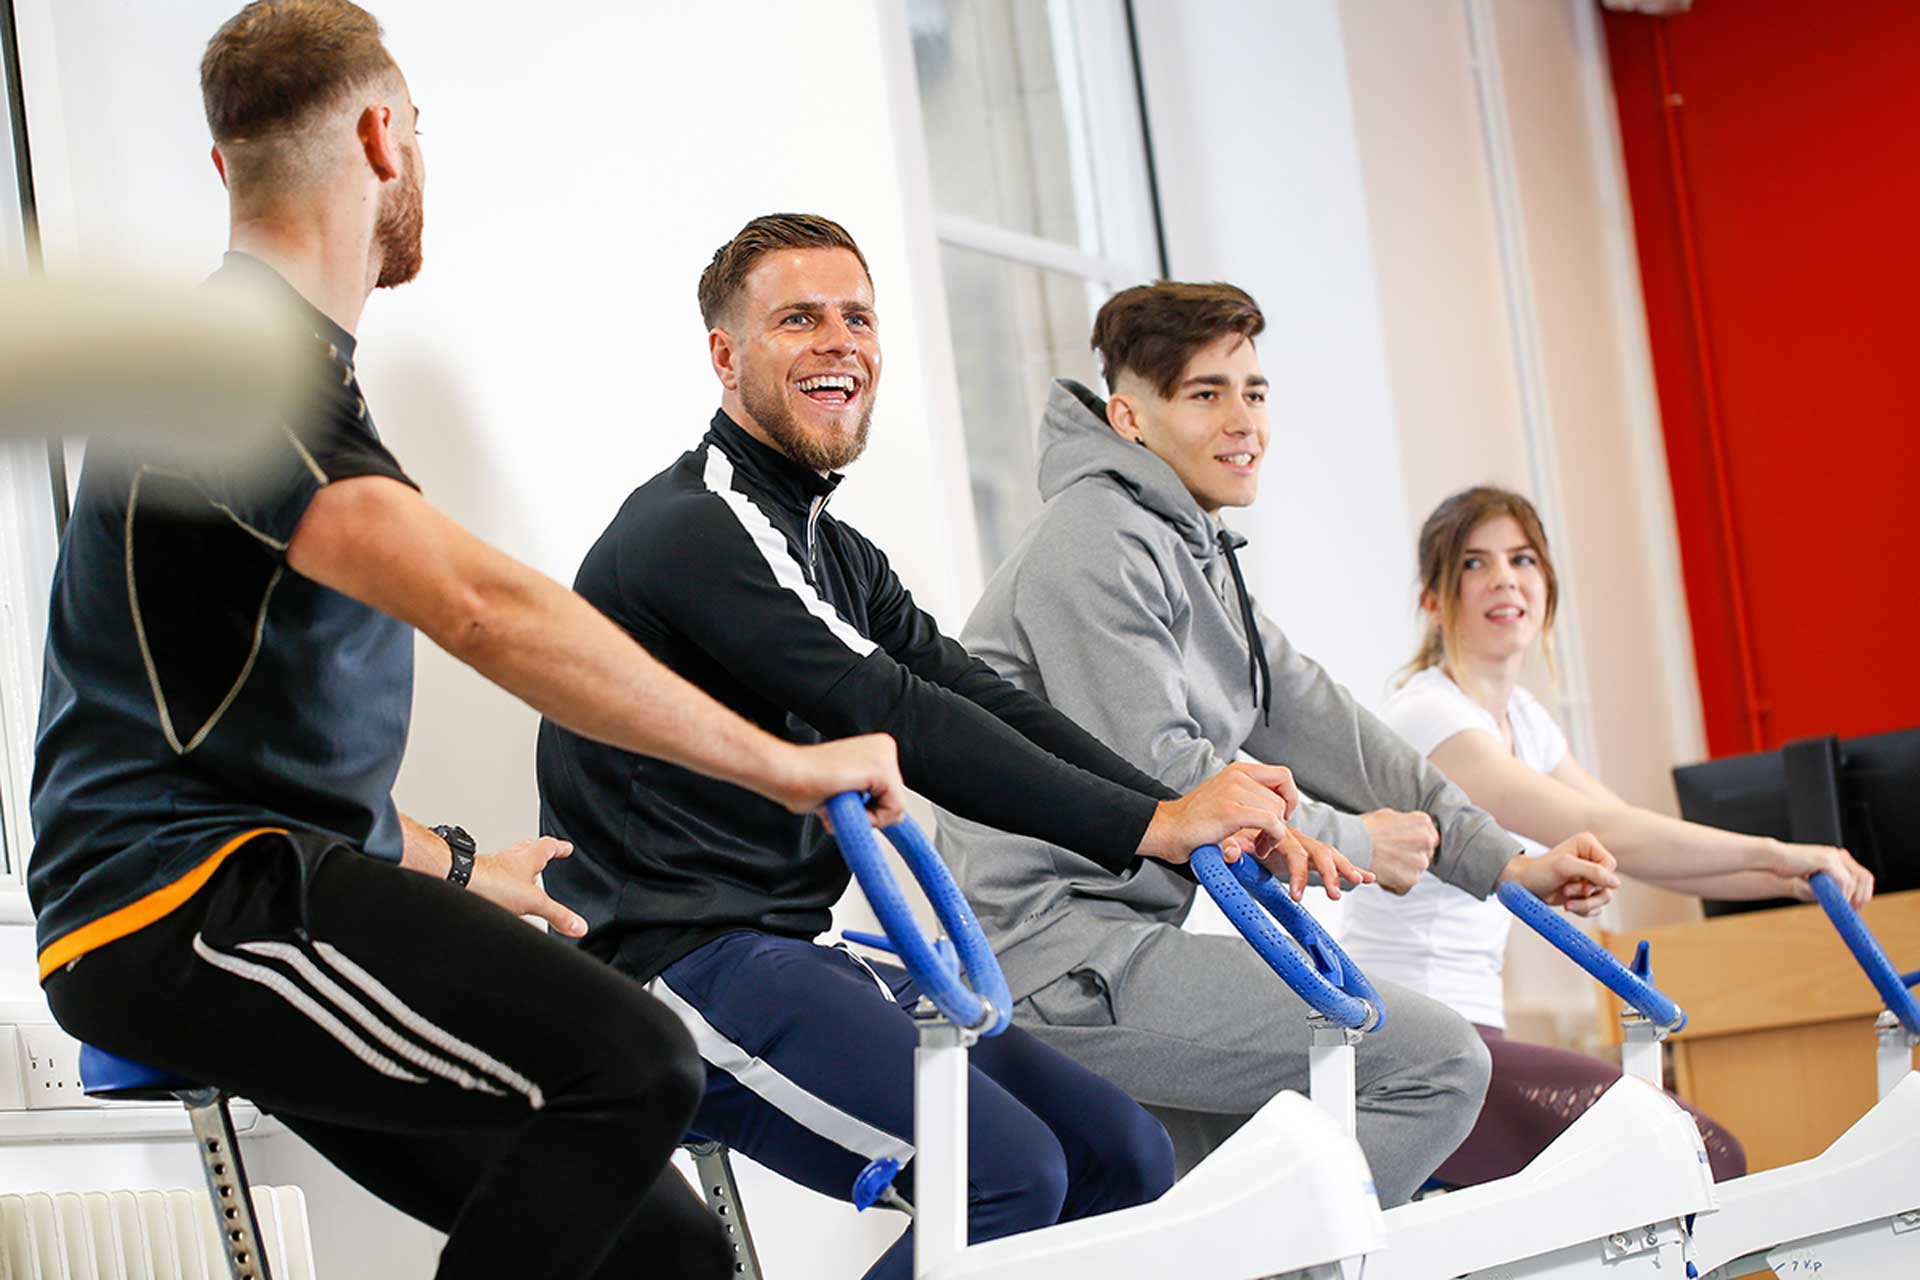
1220	1222
1610	1197
1853	1211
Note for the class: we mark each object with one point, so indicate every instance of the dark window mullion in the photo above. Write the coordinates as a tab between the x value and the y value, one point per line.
1146	138
29	223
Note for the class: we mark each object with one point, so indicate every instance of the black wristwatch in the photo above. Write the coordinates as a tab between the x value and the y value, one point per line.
462	846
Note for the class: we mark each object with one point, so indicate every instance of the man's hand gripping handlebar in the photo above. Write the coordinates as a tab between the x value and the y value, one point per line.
1244	809
868	765
1578	874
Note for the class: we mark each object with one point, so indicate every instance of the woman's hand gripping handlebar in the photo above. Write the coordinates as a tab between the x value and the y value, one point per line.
1888	981
984	1007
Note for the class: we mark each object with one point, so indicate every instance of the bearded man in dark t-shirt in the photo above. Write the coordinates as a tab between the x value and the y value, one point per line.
223	886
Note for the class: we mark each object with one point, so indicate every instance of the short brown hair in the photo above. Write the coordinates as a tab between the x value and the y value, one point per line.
1443	545
1155	329
276	62
726	275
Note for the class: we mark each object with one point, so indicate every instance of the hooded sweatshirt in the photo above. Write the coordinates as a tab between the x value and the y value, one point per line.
1120	607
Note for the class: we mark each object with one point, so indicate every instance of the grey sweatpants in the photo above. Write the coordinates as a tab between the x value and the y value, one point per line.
1202	1032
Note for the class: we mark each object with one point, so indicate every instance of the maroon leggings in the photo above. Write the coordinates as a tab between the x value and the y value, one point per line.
1537	1091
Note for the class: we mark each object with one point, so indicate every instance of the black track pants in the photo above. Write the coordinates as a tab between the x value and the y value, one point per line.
474	1073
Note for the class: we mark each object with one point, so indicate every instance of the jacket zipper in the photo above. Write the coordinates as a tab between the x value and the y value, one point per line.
813	519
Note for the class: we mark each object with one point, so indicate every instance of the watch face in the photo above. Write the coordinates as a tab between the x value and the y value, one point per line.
456	838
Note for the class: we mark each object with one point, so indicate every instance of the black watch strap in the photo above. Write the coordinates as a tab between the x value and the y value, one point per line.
461	845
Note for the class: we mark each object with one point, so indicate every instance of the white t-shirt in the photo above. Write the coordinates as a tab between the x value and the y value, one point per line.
1439	940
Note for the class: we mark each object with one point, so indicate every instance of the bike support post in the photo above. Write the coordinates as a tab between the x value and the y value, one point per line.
940	1132
1894	1058
1640	1052
1330	1079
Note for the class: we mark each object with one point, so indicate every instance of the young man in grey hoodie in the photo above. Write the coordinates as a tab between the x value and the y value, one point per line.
1124	606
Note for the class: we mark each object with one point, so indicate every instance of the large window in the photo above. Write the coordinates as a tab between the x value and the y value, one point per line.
1044	206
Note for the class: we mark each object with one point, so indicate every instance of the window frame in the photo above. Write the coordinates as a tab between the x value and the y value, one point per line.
1111	156
1106	117
27	550
33	483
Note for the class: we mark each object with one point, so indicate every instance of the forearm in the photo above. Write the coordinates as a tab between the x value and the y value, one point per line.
1054	732
1666	851
1338	750
1735	886
546	645
1347	757
423	851
1034	794
1123	716
508	878
918	645
380	543
972	763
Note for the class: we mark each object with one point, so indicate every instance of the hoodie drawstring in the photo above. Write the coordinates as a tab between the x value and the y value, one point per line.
1258	674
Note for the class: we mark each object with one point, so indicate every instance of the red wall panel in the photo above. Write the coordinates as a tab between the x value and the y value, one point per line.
1773	159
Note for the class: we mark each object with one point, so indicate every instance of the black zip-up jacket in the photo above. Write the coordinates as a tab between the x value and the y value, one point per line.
727	568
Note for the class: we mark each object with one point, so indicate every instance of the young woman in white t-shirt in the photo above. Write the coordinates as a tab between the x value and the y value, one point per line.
1489	592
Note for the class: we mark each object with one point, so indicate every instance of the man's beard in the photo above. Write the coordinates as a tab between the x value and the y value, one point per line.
398	230
770	411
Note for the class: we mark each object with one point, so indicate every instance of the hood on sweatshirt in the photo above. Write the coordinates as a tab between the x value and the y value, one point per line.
1076	442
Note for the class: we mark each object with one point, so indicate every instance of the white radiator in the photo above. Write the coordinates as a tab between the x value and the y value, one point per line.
143	1235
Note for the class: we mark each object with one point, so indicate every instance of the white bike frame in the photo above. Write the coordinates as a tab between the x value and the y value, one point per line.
1850	1213
1217	1223
1220	1222
1608	1198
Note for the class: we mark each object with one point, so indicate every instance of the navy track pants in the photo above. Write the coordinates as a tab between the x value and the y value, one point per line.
809	1054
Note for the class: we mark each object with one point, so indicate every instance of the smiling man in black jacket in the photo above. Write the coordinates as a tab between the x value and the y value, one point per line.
728	569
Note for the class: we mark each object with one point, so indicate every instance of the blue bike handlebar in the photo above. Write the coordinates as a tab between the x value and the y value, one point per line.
987	1006
1324	977
1887	980
1634	985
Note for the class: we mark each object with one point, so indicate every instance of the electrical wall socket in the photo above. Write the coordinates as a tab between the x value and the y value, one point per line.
50	1062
